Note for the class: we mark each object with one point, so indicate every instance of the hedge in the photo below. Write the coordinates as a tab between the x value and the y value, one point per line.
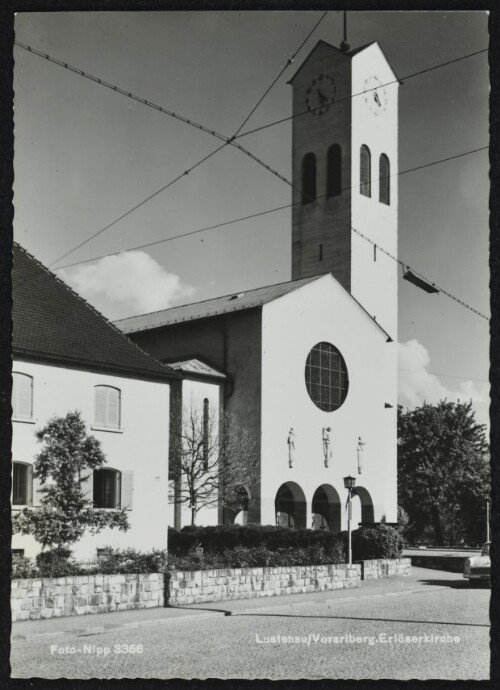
220	538
370	543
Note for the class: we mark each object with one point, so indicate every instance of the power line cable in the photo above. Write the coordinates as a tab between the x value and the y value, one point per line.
278	77
362	93
403	264
227	140
253	215
134	208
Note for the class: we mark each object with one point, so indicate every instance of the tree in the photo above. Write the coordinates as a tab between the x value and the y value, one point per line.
212	459
63	467
443	471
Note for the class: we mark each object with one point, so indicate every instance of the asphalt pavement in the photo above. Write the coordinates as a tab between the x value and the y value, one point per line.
432	624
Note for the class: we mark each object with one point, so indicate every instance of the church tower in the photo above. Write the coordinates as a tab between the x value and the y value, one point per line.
344	171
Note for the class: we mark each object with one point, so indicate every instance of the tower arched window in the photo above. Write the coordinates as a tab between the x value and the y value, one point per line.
334	171
384	195
365	172
308	178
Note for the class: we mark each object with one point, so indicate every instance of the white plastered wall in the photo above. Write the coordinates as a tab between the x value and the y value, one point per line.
374	283
140	446
193	395
292	325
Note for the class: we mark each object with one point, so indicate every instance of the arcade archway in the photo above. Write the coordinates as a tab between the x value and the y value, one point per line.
290	506
326	509
366	514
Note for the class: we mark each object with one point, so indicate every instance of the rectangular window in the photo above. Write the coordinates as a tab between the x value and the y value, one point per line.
21	484
107	413
22	396
107	488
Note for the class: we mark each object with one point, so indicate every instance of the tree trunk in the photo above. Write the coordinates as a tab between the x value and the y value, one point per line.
193	516
436	523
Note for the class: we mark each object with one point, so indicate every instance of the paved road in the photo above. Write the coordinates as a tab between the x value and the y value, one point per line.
387	629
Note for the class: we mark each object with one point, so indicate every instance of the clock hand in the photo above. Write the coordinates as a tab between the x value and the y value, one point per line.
322	98
376	98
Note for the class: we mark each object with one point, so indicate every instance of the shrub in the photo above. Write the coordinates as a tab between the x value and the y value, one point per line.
131	561
56	563
380	541
23	568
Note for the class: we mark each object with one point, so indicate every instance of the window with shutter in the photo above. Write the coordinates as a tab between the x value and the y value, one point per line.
107	488
334	171
308	178
22	480
384	180
365	181
22	396
107	413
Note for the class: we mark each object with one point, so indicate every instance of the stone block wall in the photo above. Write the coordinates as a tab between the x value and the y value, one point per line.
196	587
77	595
385	567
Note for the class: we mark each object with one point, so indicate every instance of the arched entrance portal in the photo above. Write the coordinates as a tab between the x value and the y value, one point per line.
326	509
290	506
362	511
238	514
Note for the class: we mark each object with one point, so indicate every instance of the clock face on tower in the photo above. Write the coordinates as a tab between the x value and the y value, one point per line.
321	94
375	95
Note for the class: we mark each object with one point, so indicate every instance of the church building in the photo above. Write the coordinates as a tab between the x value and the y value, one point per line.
308	367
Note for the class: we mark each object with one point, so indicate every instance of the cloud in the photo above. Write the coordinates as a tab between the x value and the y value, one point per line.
418	385
127	284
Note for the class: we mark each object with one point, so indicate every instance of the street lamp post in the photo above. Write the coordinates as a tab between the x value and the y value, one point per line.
487	519
349	483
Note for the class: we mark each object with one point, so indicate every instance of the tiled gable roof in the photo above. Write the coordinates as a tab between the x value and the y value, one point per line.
52	322
247	299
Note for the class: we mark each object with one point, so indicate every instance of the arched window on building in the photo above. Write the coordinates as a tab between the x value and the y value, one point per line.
334	171
308	178
365	173
107	413
384	180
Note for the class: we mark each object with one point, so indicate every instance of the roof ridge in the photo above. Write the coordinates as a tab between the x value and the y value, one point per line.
91	307
209	299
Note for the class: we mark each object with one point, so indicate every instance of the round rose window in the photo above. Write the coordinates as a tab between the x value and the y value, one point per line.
326	377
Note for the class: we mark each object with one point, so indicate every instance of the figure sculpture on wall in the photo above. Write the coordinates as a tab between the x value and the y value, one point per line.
327	445
361	443
291	447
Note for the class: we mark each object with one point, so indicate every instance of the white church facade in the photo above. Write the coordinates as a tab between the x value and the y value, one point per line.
310	366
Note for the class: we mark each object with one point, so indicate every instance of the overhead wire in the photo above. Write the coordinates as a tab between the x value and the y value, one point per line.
402	263
230	141
362	93
227	140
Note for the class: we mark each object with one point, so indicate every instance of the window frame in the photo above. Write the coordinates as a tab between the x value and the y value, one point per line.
16	417
309	189
106	426
29	483
384	179
117	488
327	382
365	186
333	171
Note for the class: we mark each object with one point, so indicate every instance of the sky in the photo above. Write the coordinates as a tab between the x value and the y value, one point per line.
84	155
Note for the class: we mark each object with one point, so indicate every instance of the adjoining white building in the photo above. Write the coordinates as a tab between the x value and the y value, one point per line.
311	364
67	357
